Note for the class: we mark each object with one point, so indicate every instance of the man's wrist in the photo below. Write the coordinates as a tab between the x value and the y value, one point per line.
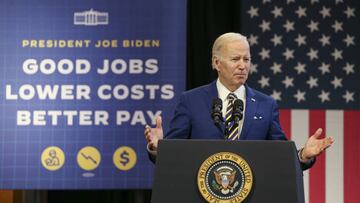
302	158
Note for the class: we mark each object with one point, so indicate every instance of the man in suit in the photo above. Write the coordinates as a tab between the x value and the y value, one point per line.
193	114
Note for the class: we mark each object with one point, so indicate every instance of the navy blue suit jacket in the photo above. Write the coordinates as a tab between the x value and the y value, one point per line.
192	119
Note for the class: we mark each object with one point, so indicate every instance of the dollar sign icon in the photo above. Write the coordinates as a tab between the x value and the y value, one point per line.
124	158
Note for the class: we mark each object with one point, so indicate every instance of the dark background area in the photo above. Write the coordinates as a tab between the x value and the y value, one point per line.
206	20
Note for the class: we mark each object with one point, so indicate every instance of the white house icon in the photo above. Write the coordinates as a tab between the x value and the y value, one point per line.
91	18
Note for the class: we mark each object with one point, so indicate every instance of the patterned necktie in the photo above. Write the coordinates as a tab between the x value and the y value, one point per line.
232	128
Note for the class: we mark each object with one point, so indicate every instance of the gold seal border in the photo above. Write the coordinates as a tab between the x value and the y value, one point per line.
224	156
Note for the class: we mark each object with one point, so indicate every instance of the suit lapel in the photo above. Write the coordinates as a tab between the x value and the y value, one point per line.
250	110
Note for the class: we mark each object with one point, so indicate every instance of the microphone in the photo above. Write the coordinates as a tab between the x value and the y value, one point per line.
216	113
238	111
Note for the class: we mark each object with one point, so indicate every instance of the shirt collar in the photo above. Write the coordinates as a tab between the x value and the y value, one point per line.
223	91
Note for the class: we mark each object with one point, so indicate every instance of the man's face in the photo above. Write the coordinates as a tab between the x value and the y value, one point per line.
233	65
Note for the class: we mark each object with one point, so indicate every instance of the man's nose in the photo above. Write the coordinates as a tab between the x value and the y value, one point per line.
241	64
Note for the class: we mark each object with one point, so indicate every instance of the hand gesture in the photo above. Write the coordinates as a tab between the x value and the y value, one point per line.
153	135
314	146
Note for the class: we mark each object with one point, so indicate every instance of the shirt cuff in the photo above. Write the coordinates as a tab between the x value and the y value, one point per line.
305	161
152	152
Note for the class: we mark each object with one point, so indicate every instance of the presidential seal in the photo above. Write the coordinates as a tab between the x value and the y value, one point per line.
225	177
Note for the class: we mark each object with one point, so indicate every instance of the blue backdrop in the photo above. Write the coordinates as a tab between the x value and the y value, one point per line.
67	122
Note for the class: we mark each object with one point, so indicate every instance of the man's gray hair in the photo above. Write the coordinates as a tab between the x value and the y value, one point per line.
222	40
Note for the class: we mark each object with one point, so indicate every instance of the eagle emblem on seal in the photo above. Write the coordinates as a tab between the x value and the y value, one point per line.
225	178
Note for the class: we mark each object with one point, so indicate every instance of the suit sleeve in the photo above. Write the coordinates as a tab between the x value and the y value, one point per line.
275	132
180	124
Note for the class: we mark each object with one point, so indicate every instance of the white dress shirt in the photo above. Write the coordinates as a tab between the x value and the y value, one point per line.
224	92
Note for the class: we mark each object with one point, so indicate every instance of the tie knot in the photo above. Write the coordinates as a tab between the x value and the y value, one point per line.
231	97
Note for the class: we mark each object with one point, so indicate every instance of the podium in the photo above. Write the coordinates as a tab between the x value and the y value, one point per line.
275	167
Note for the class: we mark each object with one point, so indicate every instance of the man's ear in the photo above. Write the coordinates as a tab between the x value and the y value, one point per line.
215	63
